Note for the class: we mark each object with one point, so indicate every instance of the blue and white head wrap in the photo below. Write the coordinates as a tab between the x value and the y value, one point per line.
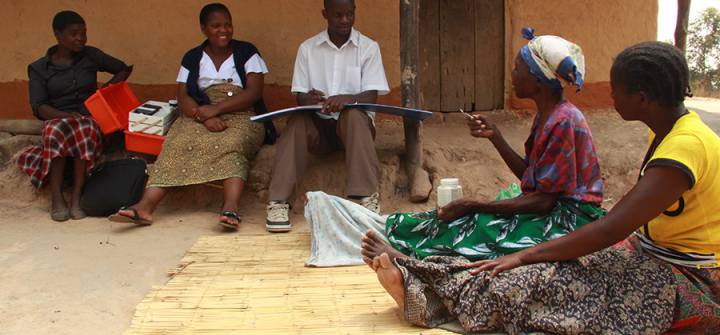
554	60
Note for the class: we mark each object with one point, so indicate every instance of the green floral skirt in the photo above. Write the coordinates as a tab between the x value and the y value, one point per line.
482	235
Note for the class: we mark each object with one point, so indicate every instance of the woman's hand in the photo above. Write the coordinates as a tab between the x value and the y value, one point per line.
205	112
215	124
497	265
458	208
482	127
76	116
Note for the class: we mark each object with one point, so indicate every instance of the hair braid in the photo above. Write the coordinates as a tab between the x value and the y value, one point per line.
659	69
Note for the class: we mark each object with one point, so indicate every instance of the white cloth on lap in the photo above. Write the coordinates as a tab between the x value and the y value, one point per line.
336	227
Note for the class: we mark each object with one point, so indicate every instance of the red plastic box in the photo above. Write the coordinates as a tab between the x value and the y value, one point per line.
110	106
145	143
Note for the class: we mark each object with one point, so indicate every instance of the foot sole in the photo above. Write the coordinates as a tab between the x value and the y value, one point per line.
277	227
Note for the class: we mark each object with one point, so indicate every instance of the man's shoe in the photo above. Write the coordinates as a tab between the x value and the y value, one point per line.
277	217
372	203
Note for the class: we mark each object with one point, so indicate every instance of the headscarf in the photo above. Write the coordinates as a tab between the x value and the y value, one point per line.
554	60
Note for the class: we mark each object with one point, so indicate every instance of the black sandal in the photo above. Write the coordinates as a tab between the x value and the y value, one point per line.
233	215
129	219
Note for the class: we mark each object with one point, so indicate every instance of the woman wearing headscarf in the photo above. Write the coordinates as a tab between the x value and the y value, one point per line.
650	266
60	82
559	174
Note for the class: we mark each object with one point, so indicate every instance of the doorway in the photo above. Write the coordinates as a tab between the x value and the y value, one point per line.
462	52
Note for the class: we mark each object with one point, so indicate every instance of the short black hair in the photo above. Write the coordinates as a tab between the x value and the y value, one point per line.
66	18
326	3
211	8
657	68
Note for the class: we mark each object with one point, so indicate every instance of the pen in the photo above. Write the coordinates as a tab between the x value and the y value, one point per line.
466	114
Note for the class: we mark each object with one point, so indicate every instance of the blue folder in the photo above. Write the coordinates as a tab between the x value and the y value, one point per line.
393	110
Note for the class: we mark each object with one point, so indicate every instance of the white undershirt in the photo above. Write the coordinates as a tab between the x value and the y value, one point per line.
227	74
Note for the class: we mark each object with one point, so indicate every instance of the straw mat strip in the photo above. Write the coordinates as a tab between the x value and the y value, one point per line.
258	285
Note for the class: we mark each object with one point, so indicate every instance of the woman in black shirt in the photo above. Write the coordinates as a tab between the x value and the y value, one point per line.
59	84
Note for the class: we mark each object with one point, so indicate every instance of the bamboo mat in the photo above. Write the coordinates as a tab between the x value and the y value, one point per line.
258	285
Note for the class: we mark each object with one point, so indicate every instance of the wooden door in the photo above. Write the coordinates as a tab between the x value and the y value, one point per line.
462	49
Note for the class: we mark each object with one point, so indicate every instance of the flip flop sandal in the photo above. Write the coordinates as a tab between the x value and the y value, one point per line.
231	214
77	214
60	215
127	219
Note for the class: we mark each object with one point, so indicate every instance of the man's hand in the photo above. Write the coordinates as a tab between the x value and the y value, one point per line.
336	103
315	97
215	124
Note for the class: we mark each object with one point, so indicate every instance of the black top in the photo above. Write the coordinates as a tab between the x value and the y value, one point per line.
66	87
242	52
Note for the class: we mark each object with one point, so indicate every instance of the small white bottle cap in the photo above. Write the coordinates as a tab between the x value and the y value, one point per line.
449	182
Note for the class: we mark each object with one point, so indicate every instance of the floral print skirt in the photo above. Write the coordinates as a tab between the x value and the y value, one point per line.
697	309
191	154
484	236
612	291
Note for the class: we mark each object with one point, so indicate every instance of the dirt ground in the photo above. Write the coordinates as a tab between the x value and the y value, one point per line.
87	276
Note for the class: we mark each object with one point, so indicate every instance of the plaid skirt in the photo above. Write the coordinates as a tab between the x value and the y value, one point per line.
66	137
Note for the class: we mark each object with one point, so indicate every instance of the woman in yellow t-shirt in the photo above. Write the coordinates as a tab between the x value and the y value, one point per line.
664	277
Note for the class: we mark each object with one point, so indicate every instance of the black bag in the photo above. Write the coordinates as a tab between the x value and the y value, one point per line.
113	185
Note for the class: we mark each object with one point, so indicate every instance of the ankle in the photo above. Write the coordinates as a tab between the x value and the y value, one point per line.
59	203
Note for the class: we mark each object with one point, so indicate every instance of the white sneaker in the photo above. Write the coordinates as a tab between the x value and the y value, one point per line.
277	217
372	203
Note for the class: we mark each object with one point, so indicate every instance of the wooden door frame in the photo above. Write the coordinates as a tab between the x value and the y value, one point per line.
420	185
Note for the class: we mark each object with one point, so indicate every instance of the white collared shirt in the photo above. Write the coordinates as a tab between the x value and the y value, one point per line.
354	68
227	74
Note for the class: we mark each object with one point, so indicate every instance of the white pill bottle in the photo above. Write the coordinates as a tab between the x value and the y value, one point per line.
448	191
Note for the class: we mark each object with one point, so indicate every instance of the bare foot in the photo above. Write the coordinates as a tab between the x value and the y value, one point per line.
373	246
390	278
142	213
59	203
75	199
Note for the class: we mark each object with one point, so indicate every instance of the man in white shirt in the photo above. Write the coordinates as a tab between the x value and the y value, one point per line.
335	68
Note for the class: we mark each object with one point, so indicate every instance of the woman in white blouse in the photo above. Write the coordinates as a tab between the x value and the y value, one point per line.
220	87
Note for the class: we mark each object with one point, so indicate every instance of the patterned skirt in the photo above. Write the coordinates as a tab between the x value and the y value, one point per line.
697	309
66	137
484	236
612	291
191	154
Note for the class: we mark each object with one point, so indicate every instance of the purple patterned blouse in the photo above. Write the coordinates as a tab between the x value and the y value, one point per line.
561	157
